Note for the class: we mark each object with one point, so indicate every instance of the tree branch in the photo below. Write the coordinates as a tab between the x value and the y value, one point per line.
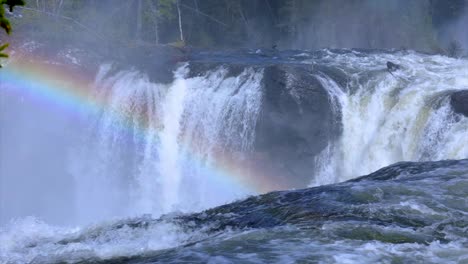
203	14
65	18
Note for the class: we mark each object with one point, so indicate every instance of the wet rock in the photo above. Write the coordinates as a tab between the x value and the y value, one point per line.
459	102
296	119
296	122
158	61
392	67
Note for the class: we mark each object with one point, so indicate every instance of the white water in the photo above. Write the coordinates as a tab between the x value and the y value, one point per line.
219	122
153	150
122	170
390	118
113	167
170	163
30	240
169	168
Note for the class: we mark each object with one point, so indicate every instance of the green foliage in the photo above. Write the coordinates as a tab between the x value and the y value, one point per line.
5	23
3	47
234	23
166	9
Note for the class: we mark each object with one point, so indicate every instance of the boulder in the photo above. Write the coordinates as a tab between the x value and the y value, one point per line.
158	61
459	102
391	67
296	122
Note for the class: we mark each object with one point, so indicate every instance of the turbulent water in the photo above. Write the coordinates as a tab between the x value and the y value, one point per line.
154	154
410	212
393	117
157	143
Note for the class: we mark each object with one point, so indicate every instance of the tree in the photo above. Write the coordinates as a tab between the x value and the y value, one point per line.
139	21
5	23
155	21
180	22
165	10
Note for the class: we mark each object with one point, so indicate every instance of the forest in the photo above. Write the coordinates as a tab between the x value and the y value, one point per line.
287	24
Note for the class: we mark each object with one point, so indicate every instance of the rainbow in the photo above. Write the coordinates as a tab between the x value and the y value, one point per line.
68	89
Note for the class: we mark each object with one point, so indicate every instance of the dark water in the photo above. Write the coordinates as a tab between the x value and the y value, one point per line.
405	213
408	212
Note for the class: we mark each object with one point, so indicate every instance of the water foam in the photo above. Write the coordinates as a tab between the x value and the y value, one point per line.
390	118
161	148
30	240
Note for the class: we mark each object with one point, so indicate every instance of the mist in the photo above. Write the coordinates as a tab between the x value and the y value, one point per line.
367	24
35	178
453	32
427	26
234	131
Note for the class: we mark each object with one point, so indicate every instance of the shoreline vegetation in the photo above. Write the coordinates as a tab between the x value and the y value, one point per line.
208	24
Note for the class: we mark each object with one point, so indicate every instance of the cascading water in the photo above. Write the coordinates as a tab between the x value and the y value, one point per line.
158	147
116	169
387	118
146	149
195	124
218	129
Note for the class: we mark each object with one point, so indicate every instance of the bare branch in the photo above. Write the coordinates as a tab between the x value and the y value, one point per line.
204	14
65	18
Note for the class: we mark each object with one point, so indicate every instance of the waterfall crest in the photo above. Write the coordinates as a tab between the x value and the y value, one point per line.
387	118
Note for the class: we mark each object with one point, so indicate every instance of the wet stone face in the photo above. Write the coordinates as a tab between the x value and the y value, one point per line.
296	120
459	102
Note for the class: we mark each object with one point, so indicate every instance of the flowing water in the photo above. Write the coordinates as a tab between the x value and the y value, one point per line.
157	144
125	180
389	118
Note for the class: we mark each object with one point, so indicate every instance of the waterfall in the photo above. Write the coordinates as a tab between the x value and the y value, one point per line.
170	170
160	148
390	118
115	164
194	143
218	130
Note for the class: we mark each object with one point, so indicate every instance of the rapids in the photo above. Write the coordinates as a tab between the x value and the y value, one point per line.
122	176
408	212
387	118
